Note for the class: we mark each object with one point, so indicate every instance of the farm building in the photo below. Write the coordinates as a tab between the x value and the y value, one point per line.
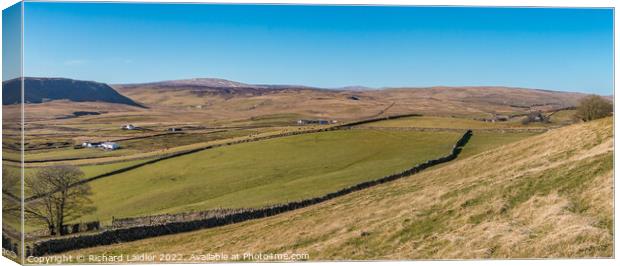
110	145
128	127
88	144
496	118
309	121
499	118
536	116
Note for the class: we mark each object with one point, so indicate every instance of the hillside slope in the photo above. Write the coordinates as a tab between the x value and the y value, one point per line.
38	90
210	100
229	99
549	195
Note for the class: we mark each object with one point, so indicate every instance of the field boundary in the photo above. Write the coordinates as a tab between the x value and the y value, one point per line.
121	235
438	129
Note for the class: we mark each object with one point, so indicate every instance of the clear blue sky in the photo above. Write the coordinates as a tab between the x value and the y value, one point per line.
325	46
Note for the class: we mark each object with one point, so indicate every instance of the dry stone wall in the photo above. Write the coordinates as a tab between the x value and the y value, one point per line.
10	243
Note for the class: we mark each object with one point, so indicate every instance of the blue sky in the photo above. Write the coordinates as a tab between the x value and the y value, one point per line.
11	41
325	46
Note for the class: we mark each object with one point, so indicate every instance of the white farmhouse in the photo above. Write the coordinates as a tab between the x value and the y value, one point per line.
128	127
110	145
88	144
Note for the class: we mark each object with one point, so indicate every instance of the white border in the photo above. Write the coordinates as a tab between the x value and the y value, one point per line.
498	3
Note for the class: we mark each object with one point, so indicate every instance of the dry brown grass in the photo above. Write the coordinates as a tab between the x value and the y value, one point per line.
548	196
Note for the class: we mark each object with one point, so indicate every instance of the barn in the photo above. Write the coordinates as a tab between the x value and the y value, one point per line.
110	145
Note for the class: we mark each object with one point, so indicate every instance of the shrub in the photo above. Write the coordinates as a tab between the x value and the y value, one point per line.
593	107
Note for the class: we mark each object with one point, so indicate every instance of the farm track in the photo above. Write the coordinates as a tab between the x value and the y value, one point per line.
383	111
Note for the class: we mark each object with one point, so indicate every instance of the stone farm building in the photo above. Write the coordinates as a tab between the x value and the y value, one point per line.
312	121
89	144
104	145
128	127
110	145
495	118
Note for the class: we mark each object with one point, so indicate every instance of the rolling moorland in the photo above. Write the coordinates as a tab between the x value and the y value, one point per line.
241	146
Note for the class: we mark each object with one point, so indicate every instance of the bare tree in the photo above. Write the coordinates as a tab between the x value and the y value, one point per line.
61	197
536	116
593	107
10	191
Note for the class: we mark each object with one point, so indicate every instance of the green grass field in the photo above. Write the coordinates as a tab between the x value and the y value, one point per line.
95	170
89	170
136	146
10	155
266	172
284	119
70	153
483	141
448	122
564	116
174	140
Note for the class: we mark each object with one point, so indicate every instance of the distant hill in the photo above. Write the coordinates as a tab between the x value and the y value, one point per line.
197	82
225	98
209	83
212	98
356	88
207	87
40	90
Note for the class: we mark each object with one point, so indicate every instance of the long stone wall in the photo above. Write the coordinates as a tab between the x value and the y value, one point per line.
10	244
10	240
119	235
171	218
437	129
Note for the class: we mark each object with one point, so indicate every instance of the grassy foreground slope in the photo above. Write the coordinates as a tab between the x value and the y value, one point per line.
549	195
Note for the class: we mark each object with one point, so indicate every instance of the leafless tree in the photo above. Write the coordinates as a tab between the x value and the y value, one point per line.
61	199
10	191
593	107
